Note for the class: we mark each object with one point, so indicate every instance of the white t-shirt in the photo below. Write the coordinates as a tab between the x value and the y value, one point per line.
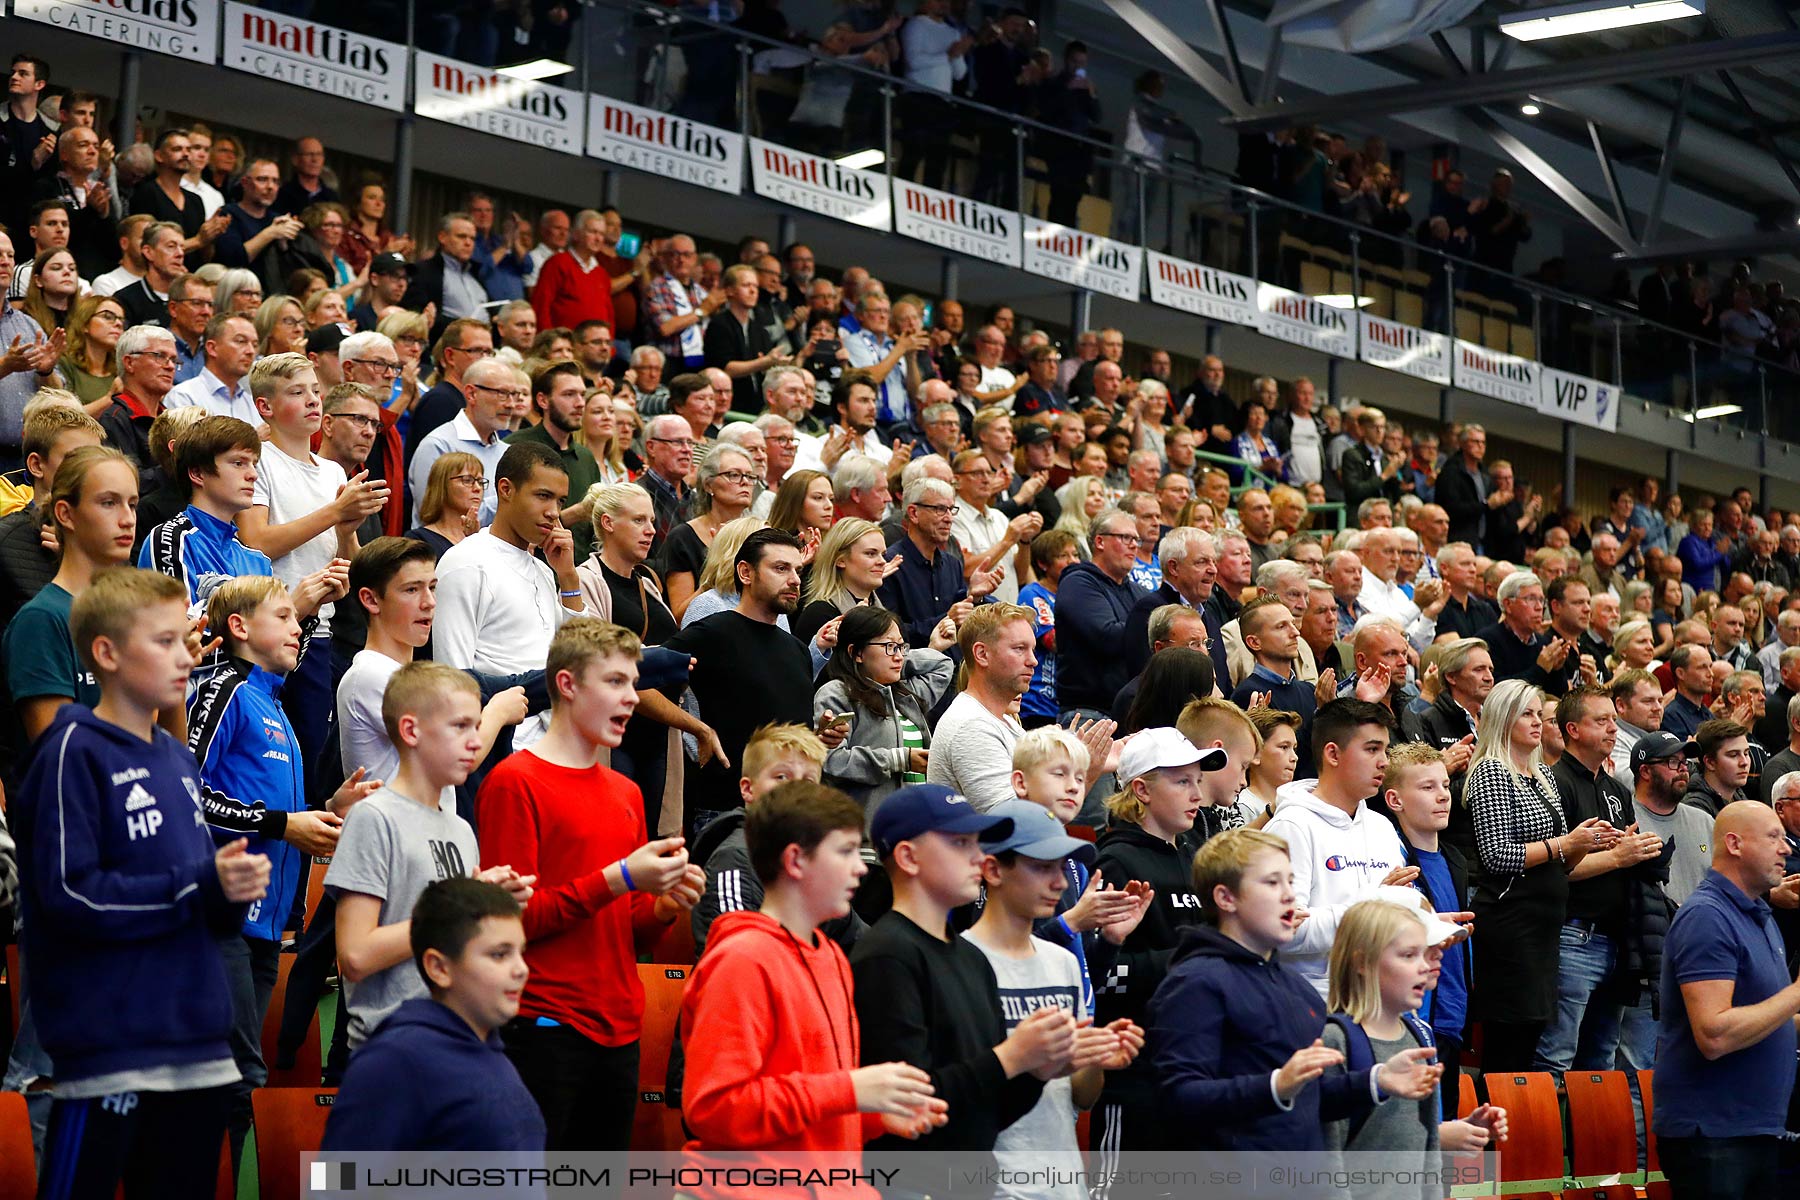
292	489
1306	460
1045	1136
362	736
112	281
497	610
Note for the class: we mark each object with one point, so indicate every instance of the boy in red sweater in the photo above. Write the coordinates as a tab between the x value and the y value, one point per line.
769	1019
601	889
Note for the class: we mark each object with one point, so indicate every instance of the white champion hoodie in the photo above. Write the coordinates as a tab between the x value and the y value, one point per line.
1337	861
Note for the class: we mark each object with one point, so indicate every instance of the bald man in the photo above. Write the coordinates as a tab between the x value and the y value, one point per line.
1725	1067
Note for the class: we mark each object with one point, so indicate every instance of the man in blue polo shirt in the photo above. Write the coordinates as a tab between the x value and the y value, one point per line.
1725	1060
1272	635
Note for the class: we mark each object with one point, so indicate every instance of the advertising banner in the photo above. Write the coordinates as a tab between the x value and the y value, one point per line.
1082	259
1305	321
662	144
1203	291
820	185
521	110
180	28
317	57
1405	349
952	223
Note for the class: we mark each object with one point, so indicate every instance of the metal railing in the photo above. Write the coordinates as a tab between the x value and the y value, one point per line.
678	60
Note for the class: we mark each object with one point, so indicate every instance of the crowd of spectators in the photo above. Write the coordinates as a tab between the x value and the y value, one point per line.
582	572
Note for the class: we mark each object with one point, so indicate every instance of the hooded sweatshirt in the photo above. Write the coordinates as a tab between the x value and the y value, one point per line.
425	1081
1224	1020
1337	860
872	761
1128	852
121	898
769	1020
1091	615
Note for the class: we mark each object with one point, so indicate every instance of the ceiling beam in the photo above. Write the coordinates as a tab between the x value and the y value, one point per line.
1175	48
1234	67
1763	133
1666	168
1565	188
1749	245
1611	179
1664	62
1269	86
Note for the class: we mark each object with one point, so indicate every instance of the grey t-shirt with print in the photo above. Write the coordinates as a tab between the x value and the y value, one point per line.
1045	1136
394	848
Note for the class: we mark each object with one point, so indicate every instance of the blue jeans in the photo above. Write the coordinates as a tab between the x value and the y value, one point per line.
1584	1032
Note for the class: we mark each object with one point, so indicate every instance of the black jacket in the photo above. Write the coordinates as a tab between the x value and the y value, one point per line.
1137	632
130	435
1362	481
1457	495
427	287
1441	726
25	566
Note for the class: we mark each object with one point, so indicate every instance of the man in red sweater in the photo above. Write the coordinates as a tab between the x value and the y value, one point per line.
601	890
574	286
769	1019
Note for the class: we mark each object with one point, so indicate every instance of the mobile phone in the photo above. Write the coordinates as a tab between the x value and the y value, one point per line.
1081	72
826	349
629	245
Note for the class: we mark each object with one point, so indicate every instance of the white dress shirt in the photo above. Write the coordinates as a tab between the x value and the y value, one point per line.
208	391
458	434
1388	600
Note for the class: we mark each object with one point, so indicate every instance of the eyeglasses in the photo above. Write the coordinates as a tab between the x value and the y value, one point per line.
1125	539
782	439
196	301
475	352
936	508
386	368
891	649
162	356
292	321
685	443
508	394
976	471
479	481
737	476
356	419
106	314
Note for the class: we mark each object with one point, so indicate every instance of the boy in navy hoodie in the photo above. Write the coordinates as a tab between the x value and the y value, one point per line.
252	783
124	899
1235	1037
435	1076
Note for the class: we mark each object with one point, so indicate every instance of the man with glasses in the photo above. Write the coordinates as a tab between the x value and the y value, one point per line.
679	308
229	344
1518	648
190	309
463	343
575	286
800	269
874	350
147	362
494	393
773	312
347	437
307	186
930	583
780	447
669	452
559	397
594	352
371	360
1190	566
1040	398
988	540
1093	606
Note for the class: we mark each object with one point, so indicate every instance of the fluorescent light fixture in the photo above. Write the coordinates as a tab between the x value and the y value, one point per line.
537	68
1711	412
862	160
1346	301
1532	24
1530	109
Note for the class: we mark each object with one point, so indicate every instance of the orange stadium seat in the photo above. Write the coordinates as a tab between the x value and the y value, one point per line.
676	945
1659	1189
289	1122
18	1166
658	1124
1602	1127
1533	1150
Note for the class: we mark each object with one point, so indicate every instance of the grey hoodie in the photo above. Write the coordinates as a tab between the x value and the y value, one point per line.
872	759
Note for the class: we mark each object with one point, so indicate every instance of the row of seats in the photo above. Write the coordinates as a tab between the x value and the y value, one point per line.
1597	1141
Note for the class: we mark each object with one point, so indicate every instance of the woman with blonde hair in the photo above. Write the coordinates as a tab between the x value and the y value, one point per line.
1633	648
723	488
1200	514
1291	513
716	590
280	327
1083	498
325	308
409	331
450	509
1525	850
598	432
851	563
90	361
618	585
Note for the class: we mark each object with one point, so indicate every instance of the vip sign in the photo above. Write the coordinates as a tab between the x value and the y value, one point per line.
1579	399
665	145
316	57
182	28
953	223
1305	321
1491	373
820	185
521	110
1082	259
1402	348
1203	291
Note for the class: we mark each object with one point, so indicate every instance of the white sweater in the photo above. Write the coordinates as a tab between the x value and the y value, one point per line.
1337	860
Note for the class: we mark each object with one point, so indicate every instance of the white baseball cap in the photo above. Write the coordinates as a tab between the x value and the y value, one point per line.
1438	932
1152	749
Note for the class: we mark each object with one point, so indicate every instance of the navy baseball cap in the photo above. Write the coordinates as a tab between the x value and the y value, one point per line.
1657	746
930	808
1036	833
